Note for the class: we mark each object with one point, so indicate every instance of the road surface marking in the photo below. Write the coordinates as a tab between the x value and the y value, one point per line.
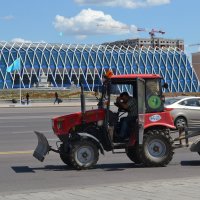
28	117
9	126
53	139
16	152
19	132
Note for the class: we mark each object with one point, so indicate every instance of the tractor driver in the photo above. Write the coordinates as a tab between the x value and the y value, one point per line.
129	104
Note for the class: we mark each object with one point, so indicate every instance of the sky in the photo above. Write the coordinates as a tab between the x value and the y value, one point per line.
99	21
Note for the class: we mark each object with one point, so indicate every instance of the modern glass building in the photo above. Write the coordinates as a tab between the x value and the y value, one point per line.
66	64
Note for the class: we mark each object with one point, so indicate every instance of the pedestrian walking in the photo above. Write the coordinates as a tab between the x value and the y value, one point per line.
27	98
56	98
23	101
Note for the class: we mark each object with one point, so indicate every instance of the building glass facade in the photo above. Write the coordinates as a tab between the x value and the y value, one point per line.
66	64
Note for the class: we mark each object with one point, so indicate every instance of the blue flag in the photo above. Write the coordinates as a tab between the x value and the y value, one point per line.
14	66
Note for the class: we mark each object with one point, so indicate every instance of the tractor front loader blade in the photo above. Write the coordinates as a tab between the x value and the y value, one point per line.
42	148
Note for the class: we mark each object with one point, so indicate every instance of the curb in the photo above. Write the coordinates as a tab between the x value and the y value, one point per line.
78	104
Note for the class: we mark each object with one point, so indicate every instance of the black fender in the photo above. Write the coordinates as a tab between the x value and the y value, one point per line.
92	138
195	147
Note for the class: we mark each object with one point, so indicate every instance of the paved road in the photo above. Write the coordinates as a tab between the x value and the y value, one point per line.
184	189
23	177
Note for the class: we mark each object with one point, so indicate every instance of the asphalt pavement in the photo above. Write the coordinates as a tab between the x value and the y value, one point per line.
166	189
184	189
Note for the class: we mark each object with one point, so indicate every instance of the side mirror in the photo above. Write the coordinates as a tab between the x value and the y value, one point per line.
165	85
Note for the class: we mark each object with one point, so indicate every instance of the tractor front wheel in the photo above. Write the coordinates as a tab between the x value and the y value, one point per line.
66	159
157	150
64	156
84	154
132	154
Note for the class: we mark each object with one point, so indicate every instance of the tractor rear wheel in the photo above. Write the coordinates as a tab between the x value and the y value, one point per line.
157	150
132	154
84	154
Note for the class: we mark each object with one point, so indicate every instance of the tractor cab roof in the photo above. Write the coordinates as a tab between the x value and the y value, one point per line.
133	77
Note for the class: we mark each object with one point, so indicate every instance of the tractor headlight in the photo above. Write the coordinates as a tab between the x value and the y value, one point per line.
60	124
100	123
52	123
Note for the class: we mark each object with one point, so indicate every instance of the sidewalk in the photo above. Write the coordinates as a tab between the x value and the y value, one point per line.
183	189
70	103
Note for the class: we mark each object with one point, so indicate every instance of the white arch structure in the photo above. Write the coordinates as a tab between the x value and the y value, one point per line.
64	64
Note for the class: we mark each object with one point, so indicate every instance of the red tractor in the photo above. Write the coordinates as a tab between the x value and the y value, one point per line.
84	134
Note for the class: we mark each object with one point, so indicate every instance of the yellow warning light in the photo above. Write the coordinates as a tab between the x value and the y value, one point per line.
109	74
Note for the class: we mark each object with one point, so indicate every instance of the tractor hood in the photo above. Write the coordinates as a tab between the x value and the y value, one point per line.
61	125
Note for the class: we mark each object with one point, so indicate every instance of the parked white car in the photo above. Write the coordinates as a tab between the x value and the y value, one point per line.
185	110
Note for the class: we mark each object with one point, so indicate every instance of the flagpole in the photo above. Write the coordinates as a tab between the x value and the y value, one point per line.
20	85
20	92
16	65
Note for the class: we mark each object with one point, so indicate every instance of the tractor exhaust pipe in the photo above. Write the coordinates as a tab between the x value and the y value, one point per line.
82	96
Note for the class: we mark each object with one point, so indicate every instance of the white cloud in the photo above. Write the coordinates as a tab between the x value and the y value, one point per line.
91	22
7	18
157	2
123	3
20	40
